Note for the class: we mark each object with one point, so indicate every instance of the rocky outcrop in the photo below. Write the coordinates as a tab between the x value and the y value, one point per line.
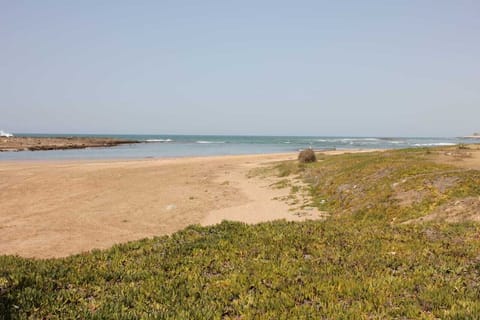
58	143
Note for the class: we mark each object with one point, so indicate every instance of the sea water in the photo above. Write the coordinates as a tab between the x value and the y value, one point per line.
162	146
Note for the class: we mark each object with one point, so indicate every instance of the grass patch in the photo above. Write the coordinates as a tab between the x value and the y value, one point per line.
281	184
397	184
285	270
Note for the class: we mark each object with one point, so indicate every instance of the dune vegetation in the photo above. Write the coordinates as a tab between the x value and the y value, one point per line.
401	241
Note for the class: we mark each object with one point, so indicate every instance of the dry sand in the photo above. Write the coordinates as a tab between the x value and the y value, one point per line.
54	209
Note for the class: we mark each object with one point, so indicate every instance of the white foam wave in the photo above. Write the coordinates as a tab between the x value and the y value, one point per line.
5	134
208	142
359	139
350	140
159	140
438	144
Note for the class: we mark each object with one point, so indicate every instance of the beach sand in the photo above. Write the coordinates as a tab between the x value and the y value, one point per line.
58	208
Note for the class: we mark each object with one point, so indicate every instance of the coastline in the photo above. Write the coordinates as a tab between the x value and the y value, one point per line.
161	146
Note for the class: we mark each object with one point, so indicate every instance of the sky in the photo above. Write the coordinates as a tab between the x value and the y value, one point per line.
323	68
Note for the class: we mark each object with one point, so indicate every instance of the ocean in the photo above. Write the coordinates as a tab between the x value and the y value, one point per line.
162	146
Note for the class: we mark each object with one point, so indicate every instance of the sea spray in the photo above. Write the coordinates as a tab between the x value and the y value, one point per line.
5	134
159	140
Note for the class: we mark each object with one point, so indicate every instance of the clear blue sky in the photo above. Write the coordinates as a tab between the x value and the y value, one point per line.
365	68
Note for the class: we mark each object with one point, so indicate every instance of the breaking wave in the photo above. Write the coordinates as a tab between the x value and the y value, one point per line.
5	134
438	144
159	140
208	142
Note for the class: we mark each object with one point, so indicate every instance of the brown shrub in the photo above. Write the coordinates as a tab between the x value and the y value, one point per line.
307	156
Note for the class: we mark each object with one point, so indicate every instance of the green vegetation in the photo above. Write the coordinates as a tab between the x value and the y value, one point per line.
388	186
363	262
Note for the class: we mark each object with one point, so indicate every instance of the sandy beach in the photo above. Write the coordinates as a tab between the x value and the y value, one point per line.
58	208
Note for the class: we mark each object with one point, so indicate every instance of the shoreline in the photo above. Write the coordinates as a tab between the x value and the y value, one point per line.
199	157
144	146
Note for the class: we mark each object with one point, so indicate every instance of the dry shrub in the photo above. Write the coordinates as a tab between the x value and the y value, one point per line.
307	156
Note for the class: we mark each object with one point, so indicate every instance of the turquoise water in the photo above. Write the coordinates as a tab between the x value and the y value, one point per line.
159	146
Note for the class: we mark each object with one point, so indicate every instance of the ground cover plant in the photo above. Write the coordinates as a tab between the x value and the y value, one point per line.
395	186
373	258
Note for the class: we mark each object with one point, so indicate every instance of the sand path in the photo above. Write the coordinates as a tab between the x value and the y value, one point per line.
54	209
